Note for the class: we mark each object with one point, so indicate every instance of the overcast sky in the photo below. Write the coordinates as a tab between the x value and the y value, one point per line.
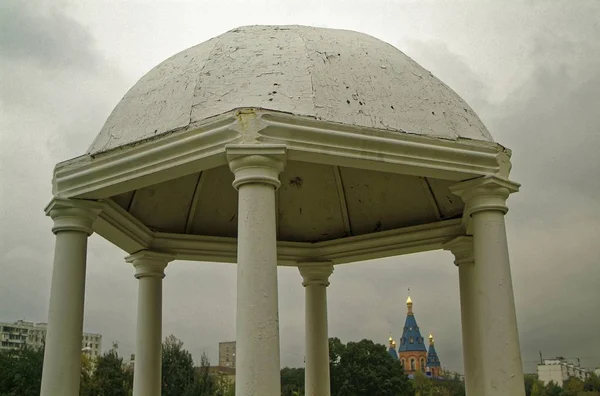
530	69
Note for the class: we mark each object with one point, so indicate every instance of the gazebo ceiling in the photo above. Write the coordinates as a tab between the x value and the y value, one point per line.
315	203
336	76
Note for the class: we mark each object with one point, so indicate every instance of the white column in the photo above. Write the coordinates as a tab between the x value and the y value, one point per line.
256	170
149	270
462	249
315	281
501	367
73	221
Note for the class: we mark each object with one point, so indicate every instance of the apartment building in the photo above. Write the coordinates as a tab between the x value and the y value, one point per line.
20	333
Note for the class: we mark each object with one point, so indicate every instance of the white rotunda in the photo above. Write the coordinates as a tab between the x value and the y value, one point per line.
295	146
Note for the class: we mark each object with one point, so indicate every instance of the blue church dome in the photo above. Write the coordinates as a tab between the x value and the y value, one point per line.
411	335
432	357
392	349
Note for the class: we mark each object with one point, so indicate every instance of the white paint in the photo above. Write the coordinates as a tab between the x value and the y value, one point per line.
315	281
500	367
315	141
462	249
62	356
332	75
149	270
256	173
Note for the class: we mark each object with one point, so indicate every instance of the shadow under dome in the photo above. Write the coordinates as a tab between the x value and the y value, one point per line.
315	203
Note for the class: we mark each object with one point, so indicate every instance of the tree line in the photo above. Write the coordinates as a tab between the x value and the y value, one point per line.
357	369
572	387
109	375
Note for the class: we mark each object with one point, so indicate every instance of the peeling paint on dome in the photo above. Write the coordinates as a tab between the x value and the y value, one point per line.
333	75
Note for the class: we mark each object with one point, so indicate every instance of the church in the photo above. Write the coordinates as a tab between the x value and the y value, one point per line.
412	352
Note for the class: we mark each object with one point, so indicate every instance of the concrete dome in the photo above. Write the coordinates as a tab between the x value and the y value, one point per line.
335	76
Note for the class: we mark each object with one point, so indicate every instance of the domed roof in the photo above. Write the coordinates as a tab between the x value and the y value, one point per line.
335	76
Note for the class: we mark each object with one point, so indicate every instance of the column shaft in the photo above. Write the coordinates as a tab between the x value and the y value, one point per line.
147	371
317	341
501	365
62	355
257	344
73	221
469	323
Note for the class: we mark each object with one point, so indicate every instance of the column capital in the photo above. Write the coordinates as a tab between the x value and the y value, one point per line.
315	273
253	163
73	214
485	193
149	264
462	249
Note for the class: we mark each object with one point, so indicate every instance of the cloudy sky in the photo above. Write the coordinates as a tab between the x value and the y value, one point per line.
530	69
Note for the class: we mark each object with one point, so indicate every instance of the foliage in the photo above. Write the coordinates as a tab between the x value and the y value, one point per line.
109	378
365	368
425	386
21	372
178	376
571	387
292	381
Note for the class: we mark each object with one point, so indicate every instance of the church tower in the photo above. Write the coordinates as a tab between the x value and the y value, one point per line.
433	362
412	351
392	348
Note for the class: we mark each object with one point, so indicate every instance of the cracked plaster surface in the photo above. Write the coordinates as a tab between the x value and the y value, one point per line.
334	75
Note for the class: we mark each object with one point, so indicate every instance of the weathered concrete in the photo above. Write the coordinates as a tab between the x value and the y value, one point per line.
332	75
257	322
315	281
149	270
62	355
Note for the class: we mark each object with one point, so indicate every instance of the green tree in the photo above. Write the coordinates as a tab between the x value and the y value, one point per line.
423	385
292	381
110	378
592	384
572	387
537	388
204	383
21	371
87	373
178	374
365	368
553	389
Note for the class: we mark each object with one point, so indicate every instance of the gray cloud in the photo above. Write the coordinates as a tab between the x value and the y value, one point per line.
34	32
54	100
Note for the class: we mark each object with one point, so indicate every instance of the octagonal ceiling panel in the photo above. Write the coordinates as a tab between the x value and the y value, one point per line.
380	201
309	206
315	202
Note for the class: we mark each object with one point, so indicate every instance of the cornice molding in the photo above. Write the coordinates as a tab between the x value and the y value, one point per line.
312	140
122	229
203	146
146	163
340	251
